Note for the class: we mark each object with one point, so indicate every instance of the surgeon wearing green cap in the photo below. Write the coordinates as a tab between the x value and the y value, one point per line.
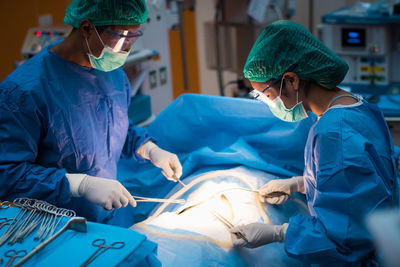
63	115
349	162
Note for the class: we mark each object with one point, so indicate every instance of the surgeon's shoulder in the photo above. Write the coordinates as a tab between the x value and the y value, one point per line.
120	76
330	122
16	96
29	73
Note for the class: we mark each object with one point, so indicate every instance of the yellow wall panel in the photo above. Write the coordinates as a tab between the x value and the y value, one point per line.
191	56
16	17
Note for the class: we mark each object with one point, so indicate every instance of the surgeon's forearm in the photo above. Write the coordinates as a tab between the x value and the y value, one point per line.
33	181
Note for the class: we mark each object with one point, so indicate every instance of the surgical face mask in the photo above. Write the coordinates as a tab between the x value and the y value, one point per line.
109	59
278	108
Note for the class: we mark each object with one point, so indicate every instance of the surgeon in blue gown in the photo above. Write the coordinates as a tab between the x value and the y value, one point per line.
350	169
63	115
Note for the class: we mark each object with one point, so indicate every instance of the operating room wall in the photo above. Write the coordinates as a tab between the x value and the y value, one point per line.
16	17
205	12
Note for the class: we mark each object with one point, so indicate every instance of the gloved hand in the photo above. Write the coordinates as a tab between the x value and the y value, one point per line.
108	193
168	163
288	186
258	234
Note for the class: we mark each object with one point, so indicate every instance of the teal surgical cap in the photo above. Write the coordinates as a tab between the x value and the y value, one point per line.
106	12
287	46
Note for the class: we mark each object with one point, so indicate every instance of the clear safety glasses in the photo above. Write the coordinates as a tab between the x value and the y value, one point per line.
121	40
260	95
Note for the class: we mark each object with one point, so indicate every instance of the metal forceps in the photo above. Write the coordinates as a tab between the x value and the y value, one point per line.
13	254
5	221
228	224
5	205
100	243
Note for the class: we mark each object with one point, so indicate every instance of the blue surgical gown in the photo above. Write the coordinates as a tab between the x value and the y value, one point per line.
57	117
349	173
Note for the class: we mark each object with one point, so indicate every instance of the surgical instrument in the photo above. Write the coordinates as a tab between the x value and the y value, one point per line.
275	194
5	204
75	223
269	195
183	209
33	213
179	180
13	254
5	221
102	247
186	208
228	224
149	199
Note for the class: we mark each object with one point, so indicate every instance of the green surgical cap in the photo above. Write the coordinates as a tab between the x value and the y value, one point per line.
106	12
287	46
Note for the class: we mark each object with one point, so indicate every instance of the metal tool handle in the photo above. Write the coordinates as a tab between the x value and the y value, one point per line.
92	257
45	243
162	200
102	248
275	194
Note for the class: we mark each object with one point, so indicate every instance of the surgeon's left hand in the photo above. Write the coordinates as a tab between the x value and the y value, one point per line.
168	162
258	234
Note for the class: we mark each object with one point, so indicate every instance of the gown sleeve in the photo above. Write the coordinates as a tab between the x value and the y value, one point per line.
135	138
21	127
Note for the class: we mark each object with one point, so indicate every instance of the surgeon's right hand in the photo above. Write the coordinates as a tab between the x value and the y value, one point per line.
285	186
108	193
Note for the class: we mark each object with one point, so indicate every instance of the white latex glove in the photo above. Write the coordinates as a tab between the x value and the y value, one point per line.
258	234
168	162
108	193
288	186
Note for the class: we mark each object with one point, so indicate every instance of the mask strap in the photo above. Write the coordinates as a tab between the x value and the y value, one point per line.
297	97
280	89
98	36
87	43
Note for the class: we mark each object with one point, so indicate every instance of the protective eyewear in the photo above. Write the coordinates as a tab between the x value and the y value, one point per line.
122	40
260	95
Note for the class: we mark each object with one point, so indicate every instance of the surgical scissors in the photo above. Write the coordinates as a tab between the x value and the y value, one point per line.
100	243
13	254
228	224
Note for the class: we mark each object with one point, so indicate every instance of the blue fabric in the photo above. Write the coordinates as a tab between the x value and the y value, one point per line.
209	132
58	117
72	248
350	172
390	105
